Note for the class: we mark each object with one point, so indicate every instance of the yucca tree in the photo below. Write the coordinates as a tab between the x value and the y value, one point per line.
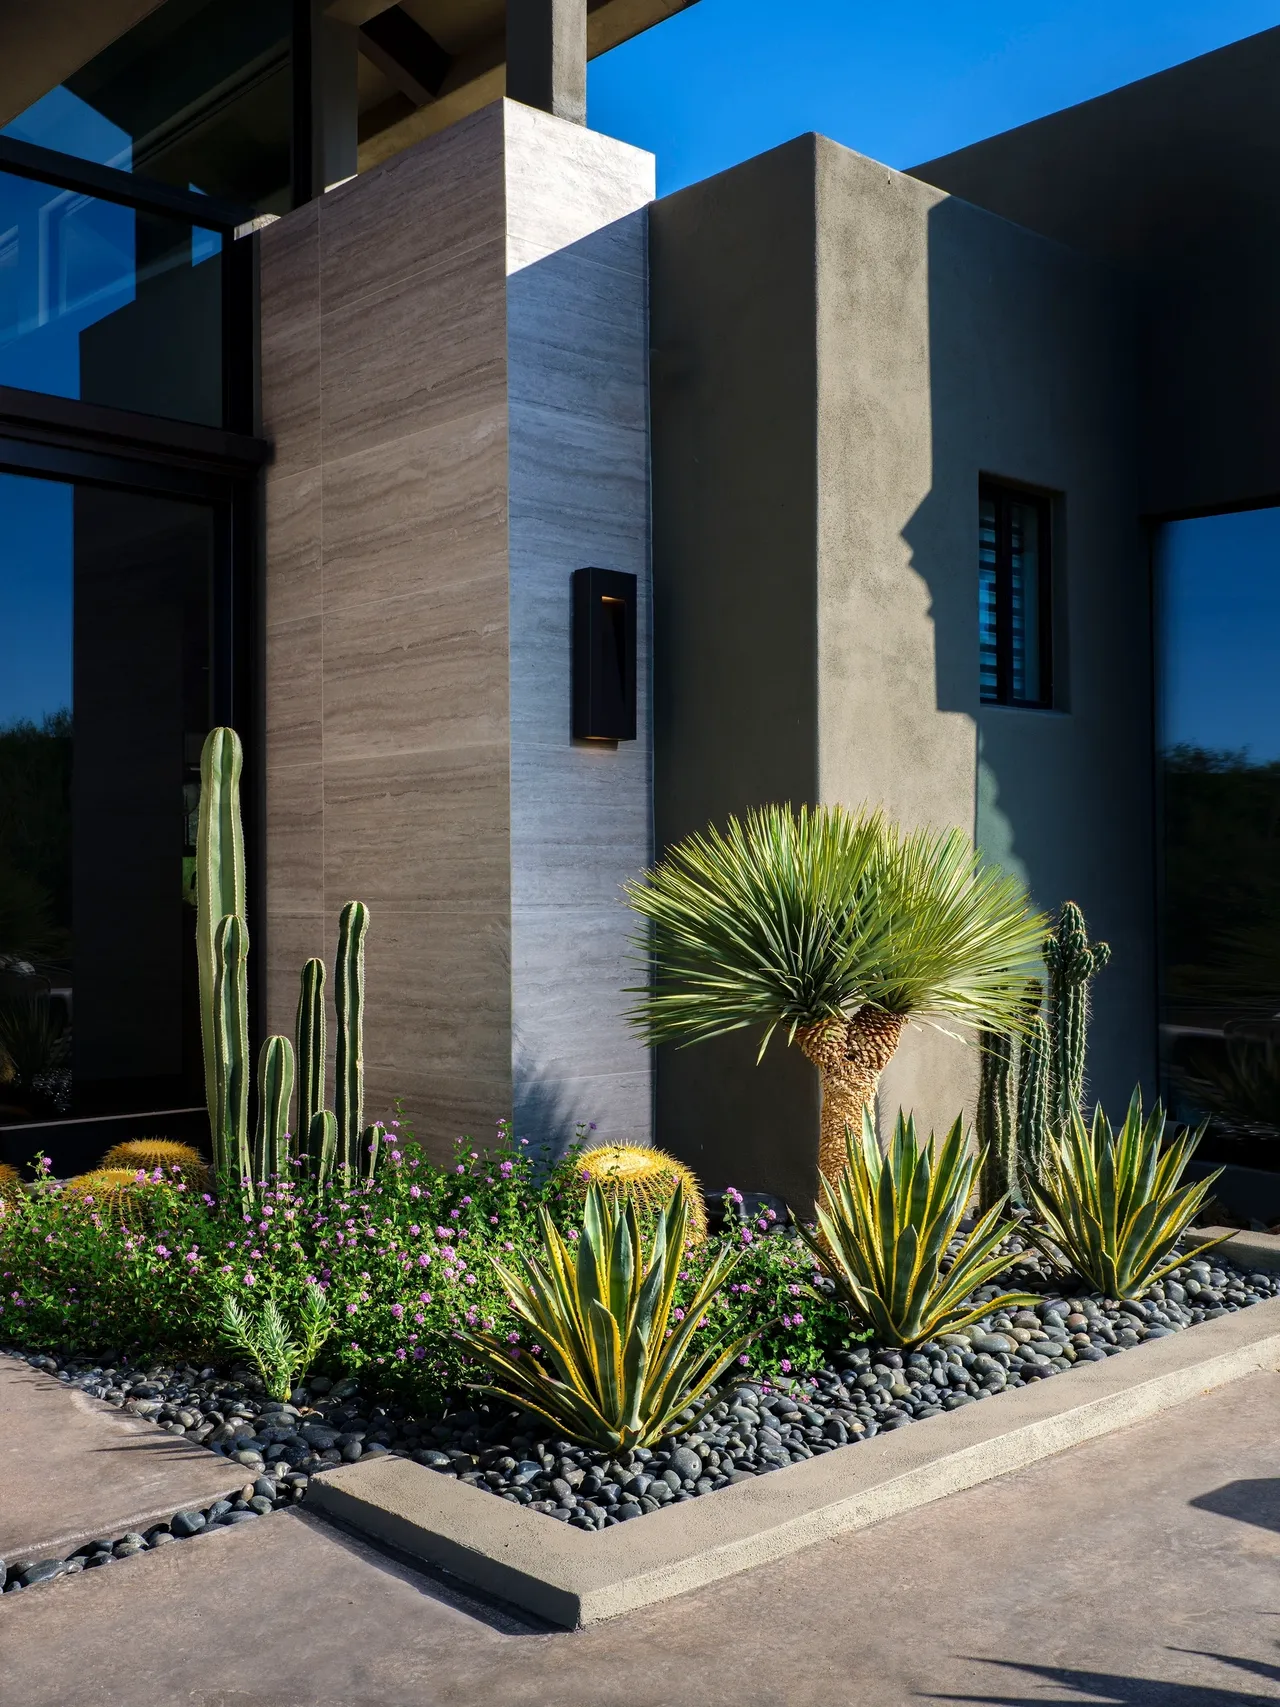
836	928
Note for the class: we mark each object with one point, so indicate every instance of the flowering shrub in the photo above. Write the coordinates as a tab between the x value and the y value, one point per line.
403	1261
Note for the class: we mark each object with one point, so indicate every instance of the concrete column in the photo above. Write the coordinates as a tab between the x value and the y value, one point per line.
547	56
455	379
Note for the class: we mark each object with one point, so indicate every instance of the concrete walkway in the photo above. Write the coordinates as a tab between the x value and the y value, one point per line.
1139	1570
72	1469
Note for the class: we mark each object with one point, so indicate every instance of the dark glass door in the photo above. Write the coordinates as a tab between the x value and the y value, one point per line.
107	650
1218	598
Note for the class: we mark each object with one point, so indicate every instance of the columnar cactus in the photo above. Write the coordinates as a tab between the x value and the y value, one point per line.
219	885
1033	1097
230	1042
1071	961
275	1093
995	1118
353	922
332	1141
311	1045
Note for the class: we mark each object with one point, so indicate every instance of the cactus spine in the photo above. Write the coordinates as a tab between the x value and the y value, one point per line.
1071	962
353	922
311	1045
275	1093
1033	1096
219	892
995	1118
230	1125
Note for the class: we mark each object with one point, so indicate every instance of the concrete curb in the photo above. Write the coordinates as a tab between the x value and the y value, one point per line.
572	1578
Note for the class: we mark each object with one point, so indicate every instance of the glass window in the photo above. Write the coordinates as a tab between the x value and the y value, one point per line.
1218	599
105	601
109	305
1013	597
197	94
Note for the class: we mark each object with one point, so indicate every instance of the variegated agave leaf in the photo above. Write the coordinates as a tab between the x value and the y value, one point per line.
885	1226
614	1372
1111	1206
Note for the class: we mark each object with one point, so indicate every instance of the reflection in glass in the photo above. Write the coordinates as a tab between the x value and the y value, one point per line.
198	93
104	700
1219	602
108	305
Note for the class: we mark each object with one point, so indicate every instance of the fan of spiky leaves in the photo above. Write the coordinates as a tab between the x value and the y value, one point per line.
886	1225
601	1313
836	928
644	1176
163	1153
1110	1206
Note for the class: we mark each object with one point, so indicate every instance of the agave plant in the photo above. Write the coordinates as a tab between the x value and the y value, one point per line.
621	1369
1110	1206
835	928
886	1225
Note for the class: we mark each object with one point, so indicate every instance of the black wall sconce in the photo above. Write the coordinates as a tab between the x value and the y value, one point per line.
604	655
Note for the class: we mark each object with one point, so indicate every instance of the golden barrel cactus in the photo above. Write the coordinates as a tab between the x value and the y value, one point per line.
10	1181
641	1176
117	1192
163	1153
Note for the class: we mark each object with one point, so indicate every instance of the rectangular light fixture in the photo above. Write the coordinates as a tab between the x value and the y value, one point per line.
604	655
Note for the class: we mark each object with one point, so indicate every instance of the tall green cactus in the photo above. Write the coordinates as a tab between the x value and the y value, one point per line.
998	1178
1033	1096
353	922
230	1029
219	889
311	1046
1071	961
322	1144
275	1093
331	1141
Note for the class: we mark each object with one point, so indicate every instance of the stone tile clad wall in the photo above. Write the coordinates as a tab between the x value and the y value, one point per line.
453	361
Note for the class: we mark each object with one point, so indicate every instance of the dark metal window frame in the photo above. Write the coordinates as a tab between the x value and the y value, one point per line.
65	439
1003	494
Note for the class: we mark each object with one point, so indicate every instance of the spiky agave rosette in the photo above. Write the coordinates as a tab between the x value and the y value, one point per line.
623	1365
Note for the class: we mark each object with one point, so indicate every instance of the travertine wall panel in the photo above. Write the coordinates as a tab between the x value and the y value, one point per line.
447	452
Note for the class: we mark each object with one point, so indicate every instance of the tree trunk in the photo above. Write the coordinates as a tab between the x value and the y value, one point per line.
850	1056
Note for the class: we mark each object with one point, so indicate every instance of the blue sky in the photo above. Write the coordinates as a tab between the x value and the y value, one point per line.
726	79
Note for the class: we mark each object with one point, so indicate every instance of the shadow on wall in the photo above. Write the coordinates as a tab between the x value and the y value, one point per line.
1033	380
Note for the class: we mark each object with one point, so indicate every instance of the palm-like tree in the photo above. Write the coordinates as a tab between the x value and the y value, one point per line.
836	927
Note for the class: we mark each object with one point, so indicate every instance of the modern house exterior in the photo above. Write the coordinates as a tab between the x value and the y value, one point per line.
333	351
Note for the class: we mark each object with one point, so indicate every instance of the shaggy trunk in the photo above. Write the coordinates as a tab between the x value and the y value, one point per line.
850	1056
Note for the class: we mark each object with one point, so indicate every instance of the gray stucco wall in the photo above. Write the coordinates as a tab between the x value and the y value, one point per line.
840	352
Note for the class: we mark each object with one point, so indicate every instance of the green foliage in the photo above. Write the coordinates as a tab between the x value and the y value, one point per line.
1071	962
230	1035
884	1231
997	1178
264	1336
1110	1206
792	918
617	1378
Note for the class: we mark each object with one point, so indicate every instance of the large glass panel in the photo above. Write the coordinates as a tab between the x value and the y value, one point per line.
104	701
108	305
197	95
1219	603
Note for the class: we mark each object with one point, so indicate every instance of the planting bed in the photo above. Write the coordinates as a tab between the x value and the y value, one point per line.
752	1429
